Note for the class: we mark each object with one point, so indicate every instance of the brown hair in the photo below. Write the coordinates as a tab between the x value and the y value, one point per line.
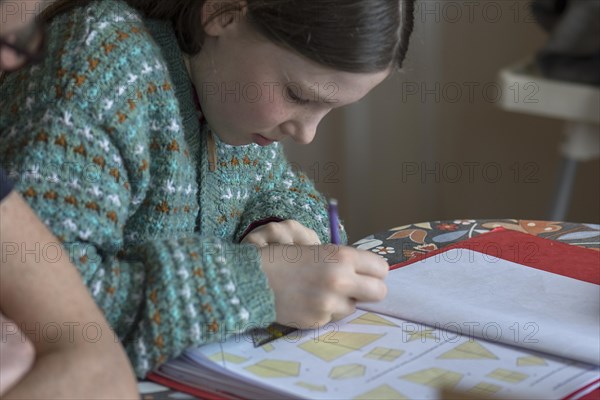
347	35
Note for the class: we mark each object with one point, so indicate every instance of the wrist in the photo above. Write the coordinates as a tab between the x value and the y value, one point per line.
256	224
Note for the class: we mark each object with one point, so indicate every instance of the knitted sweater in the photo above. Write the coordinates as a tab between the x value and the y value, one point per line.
5	185
103	140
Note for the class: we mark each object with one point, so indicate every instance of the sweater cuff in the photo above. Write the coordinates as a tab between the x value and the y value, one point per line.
198	290
232	274
252	286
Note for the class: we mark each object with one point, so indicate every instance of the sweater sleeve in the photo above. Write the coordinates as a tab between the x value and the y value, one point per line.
85	168
5	185
288	195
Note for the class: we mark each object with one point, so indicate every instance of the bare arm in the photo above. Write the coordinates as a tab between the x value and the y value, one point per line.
77	355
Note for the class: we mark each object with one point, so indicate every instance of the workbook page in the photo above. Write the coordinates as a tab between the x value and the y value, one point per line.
368	356
491	298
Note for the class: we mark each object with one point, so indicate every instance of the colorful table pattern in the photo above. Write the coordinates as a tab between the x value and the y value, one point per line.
405	242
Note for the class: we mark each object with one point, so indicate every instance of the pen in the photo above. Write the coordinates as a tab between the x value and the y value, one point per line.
333	221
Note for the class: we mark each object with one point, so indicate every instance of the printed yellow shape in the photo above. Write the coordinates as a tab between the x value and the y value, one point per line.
384	354
227	357
468	351
484	389
507	376
434	377
423	335
371	319
530	361
310	386
268	347
383	392
347	371
328	347
275	368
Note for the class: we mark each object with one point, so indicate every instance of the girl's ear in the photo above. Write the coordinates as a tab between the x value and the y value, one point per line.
217	15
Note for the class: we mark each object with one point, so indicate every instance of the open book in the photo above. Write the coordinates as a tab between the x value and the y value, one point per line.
459	318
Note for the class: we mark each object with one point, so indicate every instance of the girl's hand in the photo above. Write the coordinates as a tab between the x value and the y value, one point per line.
316	284
284	232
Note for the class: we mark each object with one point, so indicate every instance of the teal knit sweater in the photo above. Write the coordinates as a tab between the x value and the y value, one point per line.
104	142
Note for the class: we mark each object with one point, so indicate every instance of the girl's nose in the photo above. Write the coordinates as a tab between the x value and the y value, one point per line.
305	134
303	131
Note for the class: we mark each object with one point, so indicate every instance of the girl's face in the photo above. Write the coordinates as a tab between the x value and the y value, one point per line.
253	91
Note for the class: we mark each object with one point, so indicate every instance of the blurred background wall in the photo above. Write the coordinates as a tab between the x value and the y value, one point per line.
432	142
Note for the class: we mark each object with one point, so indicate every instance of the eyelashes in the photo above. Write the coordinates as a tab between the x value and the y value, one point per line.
295	98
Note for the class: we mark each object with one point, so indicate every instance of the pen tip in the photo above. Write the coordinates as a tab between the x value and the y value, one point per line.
333	202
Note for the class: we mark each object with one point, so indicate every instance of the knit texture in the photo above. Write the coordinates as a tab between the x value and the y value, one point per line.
103	140
5	185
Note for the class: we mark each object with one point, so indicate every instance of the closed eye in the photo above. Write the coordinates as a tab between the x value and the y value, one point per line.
294	97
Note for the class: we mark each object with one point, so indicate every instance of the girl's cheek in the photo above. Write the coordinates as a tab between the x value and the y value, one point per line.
245	114
269	113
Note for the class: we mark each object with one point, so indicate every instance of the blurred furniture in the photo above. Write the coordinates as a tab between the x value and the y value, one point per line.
525	90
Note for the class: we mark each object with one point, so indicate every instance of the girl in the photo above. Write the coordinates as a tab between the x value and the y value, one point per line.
155	157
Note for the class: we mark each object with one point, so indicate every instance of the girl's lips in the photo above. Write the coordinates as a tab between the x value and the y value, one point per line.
261	140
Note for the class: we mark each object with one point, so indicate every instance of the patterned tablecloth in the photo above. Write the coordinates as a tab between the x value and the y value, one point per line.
405	242
408	241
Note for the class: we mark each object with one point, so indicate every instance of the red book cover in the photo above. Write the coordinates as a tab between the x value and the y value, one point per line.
535	252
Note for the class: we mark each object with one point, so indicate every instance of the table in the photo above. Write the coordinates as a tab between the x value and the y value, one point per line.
405	242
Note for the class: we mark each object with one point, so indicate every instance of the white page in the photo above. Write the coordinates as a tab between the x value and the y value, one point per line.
498	300
369	356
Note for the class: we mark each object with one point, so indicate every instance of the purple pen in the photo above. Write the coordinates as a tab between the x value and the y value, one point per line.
333	221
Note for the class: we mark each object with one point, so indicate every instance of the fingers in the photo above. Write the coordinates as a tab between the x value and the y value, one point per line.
343	311
285	232
256	237
255	240
364	262
343	282
321	283
358	275
369	290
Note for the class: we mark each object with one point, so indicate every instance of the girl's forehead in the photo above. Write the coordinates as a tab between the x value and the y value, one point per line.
274	62
326	83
